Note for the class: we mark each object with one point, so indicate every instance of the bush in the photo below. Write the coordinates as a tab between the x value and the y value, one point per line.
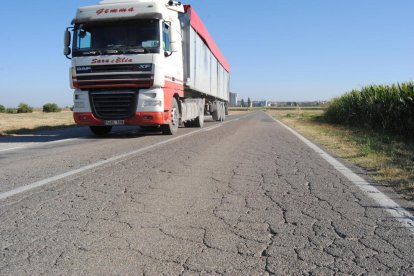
24	108
51	107
2	109
11	110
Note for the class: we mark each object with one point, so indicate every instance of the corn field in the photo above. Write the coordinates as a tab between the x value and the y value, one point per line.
388	108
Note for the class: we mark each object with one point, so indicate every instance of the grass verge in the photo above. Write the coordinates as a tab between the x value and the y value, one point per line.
390	158
32	122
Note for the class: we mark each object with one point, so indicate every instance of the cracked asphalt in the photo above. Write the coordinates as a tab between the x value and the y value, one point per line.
246	198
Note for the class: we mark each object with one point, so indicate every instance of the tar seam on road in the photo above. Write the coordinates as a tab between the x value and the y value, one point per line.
395	210
103	162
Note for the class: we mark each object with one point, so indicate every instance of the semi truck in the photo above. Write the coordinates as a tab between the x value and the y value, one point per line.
147	63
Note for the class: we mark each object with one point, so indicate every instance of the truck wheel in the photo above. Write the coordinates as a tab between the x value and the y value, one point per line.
100	130
216	112
223	113
215	115
199	121
172	127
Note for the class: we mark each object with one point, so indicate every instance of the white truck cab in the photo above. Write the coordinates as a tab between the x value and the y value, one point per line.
144	63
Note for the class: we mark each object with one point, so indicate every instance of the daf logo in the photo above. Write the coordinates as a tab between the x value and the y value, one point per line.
84	68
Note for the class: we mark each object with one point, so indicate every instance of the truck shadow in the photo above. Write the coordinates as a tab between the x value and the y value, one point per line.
81	132
77	132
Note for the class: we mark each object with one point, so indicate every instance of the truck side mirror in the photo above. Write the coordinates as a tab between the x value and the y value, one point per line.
66	49
67	39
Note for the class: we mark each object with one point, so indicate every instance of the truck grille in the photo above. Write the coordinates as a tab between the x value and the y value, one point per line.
146	67
127	75
114	105
125	80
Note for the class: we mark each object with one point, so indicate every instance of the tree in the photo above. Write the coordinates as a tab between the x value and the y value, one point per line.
249	102
24	108
242	103
51	107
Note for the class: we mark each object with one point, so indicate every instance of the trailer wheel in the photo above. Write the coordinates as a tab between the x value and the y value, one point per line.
215	115
199	121
100	130
216	111
223	113
172	127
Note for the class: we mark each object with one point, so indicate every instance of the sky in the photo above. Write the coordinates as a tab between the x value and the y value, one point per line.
279	50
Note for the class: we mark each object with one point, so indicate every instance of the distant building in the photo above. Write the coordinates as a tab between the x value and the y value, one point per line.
295	104
233	99
259	103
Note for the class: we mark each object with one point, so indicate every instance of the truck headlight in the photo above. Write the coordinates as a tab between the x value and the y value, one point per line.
151	103
73	78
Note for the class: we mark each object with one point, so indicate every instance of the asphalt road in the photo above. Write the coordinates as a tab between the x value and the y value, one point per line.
241	198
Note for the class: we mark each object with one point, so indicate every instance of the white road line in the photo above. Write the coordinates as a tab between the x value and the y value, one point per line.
211	128
395	210
101	163
64	140
12	148
36	144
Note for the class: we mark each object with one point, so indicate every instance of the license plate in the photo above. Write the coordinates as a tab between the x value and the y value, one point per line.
115	123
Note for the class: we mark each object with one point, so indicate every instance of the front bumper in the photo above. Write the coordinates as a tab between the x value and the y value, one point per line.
140	119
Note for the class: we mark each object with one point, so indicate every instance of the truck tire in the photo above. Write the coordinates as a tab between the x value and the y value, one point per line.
199	121
220	112
216	113
172	127
100	130
223	113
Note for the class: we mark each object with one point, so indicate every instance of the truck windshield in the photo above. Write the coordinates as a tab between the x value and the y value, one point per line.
105	38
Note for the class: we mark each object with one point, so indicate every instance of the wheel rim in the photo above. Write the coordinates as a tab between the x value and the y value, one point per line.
174	116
